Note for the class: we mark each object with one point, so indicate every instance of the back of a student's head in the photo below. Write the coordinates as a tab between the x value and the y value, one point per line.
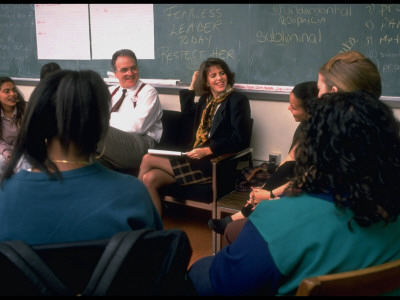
72	106
351	147
350	71
49	68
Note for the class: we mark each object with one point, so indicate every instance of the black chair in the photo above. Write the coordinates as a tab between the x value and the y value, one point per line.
143	262
177	132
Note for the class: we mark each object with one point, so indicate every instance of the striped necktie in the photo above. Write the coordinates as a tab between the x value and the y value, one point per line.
119	102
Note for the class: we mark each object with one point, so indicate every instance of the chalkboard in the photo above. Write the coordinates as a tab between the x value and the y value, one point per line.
268	44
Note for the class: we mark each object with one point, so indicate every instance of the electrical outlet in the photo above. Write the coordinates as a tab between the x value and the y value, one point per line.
275	158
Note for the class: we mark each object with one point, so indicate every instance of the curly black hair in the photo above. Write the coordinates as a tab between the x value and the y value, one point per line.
350	147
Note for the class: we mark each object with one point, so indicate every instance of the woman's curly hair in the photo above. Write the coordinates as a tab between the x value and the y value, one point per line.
350	147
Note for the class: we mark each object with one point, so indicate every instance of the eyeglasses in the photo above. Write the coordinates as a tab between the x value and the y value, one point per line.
126	70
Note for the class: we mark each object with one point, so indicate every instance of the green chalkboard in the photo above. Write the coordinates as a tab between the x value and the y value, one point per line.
269	44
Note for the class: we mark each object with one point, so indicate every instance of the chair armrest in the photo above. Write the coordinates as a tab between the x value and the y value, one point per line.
227	168
234	155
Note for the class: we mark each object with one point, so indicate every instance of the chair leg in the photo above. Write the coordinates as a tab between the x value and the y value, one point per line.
218	238
214	237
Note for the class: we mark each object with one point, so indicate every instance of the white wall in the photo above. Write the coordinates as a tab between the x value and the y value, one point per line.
273	125
273	128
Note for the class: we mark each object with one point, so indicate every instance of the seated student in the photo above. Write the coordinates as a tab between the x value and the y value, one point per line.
347	72
135	122
12	108
49	68
344	72
68	196
341	213
221	119
301	99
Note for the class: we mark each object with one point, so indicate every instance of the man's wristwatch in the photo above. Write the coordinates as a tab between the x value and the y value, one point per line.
272	196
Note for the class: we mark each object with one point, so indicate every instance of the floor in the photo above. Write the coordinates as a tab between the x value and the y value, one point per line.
194	222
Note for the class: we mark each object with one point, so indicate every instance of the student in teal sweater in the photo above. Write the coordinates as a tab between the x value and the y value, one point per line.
68	196
341	213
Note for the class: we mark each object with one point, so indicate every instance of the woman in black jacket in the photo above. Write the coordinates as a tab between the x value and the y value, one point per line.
221	121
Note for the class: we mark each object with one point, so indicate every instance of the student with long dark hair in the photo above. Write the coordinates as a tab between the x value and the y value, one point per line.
12	108
67	195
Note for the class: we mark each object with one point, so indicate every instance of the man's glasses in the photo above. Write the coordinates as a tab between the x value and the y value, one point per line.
126	70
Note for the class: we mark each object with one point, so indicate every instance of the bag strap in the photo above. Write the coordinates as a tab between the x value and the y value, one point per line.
110	261
34	268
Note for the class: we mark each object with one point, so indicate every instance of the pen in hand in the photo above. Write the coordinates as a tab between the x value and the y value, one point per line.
252	194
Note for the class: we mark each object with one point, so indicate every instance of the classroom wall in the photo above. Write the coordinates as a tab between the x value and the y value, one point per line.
273	128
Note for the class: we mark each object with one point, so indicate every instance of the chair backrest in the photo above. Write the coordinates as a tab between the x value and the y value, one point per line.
372	281
177	130
132	263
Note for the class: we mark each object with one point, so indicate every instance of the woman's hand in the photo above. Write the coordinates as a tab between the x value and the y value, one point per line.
199	153
7	155
194	77
257	195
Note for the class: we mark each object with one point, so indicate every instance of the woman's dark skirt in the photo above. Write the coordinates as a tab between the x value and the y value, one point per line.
188	171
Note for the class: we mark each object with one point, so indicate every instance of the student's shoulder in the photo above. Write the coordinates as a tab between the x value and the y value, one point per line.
112	88
148	89
125	182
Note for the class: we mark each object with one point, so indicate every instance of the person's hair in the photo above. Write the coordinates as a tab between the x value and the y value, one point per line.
307	93
350	71
49	68
122	52
21	103
200	85
73	106
350	147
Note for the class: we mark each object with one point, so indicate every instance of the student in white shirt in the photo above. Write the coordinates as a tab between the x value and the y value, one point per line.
135	126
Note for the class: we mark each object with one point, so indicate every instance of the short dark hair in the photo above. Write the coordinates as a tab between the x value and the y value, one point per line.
73	106
122	52
201	87
48	68
306	92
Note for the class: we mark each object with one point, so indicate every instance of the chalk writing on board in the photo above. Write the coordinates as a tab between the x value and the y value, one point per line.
264	44
193	31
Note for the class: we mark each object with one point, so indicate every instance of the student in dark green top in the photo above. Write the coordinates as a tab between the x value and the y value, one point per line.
341	213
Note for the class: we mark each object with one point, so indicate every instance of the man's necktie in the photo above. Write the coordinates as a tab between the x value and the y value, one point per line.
119	102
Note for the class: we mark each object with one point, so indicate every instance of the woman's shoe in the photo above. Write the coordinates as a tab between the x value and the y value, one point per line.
219	225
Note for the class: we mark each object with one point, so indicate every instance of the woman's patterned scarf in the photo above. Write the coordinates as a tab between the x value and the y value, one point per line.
208	115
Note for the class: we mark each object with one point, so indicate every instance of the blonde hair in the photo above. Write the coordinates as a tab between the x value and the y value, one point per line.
352	71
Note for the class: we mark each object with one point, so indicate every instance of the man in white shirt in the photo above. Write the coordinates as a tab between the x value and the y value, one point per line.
135	123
